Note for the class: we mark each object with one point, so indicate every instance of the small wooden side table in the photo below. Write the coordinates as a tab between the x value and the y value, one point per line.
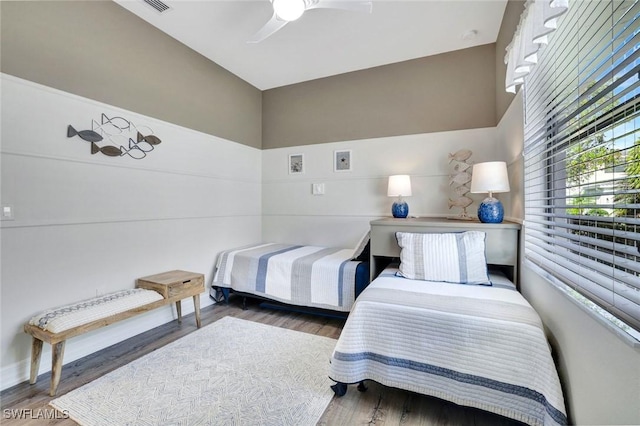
175	286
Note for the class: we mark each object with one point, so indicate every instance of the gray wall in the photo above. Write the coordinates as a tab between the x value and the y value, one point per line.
451	91
99	50
70	46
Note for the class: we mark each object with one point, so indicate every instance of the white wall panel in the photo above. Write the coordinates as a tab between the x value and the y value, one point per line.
352	199
86	224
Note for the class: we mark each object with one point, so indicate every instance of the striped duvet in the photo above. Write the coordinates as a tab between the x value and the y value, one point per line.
476	346
318	277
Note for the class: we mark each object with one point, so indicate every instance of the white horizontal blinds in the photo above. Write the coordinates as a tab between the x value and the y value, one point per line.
582	155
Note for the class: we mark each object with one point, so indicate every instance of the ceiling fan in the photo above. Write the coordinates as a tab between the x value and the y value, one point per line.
285	11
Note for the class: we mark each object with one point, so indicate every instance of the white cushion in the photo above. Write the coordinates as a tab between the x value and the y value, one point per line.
74	315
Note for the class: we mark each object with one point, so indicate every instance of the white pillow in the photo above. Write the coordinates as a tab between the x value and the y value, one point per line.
449	257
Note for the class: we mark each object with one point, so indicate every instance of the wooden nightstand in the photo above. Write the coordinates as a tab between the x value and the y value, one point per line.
175	286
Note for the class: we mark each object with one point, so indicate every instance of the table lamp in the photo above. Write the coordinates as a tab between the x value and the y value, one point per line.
490	177
399	186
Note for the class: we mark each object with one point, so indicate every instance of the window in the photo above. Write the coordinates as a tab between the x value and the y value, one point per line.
582	157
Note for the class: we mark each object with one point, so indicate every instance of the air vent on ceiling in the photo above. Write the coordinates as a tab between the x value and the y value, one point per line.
158	5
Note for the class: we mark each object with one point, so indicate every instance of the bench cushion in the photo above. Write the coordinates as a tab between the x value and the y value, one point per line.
77	314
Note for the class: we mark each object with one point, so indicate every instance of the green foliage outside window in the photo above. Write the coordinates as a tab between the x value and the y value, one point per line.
630	193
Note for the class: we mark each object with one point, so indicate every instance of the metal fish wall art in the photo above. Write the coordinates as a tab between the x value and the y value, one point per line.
108	150
119	132
138	150
151	139
87	135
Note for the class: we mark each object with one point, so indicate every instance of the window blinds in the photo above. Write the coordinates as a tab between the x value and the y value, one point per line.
582	156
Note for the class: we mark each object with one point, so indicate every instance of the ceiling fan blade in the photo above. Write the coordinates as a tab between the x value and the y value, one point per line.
273	25
355	6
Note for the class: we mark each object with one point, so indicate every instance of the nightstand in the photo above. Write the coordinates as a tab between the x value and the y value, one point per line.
175	286
502	241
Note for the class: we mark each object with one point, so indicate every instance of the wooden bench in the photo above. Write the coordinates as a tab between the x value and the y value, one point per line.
55	326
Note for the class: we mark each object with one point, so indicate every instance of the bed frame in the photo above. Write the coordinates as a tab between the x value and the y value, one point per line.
312	279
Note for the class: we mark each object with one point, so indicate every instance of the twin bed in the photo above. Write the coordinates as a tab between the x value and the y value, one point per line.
439	323
321	278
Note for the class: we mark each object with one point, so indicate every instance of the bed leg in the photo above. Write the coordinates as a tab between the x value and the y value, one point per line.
362	387
244	303
340	389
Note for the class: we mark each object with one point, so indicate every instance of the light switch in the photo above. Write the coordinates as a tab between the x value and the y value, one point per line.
317	188
7	212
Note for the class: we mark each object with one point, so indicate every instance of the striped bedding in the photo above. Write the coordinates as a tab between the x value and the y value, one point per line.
477	346
311	276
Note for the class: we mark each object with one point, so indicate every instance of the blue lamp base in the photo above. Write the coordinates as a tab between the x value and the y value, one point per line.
400	209
491	211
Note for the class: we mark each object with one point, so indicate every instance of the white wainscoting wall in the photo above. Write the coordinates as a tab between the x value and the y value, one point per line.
90	224
352	199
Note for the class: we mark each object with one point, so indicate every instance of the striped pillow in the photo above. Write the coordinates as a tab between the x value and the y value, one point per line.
450	257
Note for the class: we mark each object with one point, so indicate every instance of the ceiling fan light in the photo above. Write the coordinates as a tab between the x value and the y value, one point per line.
288	10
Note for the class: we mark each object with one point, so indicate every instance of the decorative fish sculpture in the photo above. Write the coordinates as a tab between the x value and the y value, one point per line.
460	155
460	179
135	152
141	145
461	190
109	150
119	122
153	140
106	129
87	135
461	167
115	132
462	202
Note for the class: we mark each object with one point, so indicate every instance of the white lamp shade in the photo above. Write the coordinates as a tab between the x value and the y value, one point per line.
490	177
289	10
399	186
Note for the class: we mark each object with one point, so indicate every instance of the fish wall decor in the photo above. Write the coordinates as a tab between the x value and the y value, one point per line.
460	182
119	137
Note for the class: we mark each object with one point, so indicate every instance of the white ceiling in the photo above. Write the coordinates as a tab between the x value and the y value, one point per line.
323	42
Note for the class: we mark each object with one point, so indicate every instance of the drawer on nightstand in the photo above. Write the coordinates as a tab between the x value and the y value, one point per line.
195	286
173	283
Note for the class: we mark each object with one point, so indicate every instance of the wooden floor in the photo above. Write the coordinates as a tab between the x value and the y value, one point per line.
378	405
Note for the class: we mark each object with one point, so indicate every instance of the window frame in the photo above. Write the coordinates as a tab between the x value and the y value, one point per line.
549	135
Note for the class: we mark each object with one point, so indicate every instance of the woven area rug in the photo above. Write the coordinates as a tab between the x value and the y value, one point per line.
232	372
